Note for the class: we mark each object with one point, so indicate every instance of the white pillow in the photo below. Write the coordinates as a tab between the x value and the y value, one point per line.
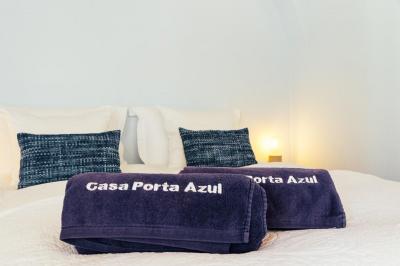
194	120
60	121
152	138
7	164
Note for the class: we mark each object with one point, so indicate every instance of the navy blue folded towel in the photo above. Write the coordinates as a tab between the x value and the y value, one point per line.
113	213
297	198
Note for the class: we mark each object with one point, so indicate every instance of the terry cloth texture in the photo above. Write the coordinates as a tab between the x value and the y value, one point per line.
111	213
297	198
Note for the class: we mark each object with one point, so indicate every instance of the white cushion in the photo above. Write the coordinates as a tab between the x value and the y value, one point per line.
194	120
152	140
7	162
59	121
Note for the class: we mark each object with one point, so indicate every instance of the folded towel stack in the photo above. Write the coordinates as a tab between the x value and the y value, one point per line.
112	213
297	198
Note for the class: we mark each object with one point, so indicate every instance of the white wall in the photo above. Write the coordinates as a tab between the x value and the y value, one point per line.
347	108
322	76
201	54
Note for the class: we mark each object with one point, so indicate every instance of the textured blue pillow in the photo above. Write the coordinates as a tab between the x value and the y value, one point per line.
50	158
219	148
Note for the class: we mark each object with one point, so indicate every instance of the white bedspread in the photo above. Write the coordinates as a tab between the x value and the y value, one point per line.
30	227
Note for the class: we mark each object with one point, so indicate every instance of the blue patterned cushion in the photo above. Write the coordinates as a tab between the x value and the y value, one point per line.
50	158
219	148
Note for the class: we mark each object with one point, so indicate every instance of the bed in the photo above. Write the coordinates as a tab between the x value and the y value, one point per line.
30	227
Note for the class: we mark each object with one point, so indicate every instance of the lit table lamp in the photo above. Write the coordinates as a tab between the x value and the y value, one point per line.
271	148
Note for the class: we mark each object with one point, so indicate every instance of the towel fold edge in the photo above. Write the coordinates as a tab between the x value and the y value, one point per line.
140	231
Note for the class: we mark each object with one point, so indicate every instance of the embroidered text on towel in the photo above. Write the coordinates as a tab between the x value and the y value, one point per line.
279	180
137	185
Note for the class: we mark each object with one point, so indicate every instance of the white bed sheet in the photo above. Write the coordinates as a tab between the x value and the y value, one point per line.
30	227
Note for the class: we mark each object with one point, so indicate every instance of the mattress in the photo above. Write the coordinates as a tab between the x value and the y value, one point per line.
30	227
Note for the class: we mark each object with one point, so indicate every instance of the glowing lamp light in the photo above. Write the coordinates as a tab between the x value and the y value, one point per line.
270	147
270	144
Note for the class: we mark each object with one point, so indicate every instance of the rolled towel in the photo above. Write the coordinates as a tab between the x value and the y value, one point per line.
113	213
297	198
